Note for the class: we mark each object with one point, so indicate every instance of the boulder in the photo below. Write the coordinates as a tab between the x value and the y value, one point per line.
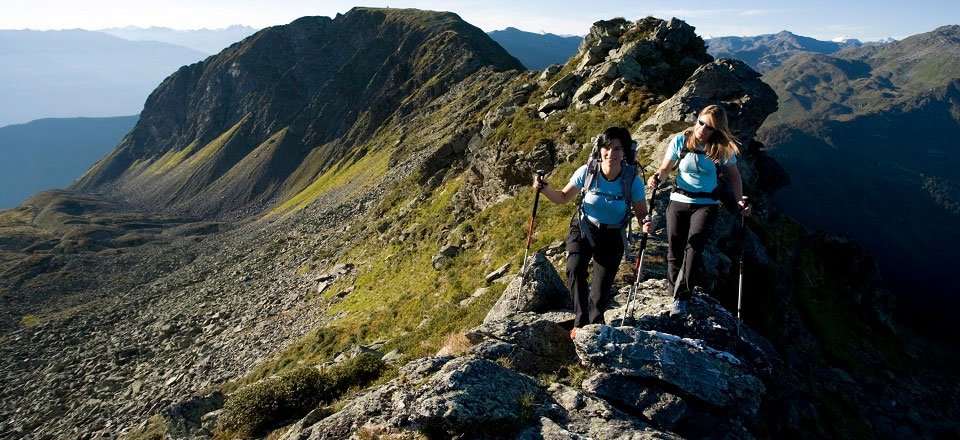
466	396
736	86
713	377
539	290
529	342
185	418
593	417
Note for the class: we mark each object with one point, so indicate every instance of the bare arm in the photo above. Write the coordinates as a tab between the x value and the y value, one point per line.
556	196
640	208
736	184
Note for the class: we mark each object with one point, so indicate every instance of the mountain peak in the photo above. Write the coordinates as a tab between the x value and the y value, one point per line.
247	125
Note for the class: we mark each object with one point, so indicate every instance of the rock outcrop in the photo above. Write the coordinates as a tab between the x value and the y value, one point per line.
168	323
639	383
618	56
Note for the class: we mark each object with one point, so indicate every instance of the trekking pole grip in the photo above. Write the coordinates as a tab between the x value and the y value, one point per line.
536	198
536	202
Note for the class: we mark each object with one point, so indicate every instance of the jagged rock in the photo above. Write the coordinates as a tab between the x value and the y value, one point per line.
747	99
711	376
549	71
528	342
496	274
552	103
661	407
540	290
446	253
593	417
616	54
564	86
549	430
183	419
466	396
476	294
497	173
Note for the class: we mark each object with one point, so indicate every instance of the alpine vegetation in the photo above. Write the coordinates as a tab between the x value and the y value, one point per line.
318	233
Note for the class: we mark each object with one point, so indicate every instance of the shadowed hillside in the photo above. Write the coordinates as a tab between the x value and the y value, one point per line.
865	136
767	52
265	117
536	51
373	290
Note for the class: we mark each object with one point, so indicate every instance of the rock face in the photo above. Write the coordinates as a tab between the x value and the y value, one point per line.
618	56
747	100
263	116
448	397
639	383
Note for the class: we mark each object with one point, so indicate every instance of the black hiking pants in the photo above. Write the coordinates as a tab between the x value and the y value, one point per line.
589	302
689	229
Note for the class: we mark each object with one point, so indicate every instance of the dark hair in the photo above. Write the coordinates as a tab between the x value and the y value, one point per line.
611	133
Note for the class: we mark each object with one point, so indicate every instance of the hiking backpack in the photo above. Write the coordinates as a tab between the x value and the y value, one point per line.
627	174
722	192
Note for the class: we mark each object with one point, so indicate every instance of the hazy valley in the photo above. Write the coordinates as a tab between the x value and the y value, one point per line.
316	233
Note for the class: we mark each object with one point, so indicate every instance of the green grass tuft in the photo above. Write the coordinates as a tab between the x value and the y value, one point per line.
256	409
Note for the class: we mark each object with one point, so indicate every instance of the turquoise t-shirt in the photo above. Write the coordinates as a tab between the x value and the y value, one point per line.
695	173
604	202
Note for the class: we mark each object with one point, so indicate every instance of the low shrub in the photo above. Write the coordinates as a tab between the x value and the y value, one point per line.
258	408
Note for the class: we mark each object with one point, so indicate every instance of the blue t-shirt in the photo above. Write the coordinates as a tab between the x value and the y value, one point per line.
695	173
604	201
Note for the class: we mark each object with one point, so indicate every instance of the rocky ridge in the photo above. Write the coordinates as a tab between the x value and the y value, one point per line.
259	121
652	54
249	278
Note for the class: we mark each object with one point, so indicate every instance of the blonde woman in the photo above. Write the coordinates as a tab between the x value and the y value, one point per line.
700	153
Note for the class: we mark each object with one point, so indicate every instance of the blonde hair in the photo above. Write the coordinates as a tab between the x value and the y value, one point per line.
722	145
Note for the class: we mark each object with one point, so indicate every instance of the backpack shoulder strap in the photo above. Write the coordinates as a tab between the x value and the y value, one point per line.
629	173
592	166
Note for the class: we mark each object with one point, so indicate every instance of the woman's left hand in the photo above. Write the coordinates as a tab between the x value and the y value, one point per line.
649	225
744	208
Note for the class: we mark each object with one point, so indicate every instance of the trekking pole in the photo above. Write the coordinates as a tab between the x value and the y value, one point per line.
533	216
638	264
743	234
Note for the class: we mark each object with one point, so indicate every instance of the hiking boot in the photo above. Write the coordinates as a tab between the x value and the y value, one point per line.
679	308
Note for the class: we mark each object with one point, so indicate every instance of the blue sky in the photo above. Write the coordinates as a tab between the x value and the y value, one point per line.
823	19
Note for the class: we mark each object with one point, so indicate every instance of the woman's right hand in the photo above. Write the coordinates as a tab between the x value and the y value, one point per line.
654	180
538	182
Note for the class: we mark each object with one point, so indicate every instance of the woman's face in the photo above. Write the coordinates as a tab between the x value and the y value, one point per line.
703	128
612	152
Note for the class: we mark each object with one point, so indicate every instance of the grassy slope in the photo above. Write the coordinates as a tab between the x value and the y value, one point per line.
397	295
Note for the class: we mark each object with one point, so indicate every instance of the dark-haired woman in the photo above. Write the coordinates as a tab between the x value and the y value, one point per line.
702	151
598	231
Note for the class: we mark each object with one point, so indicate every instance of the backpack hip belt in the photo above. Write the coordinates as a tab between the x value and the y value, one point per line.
714	195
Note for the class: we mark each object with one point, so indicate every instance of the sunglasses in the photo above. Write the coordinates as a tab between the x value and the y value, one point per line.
704	124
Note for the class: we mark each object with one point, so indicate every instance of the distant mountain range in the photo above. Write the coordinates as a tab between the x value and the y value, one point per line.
867	135
536	51
50	153
345	185
208	41
72	73
767	52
